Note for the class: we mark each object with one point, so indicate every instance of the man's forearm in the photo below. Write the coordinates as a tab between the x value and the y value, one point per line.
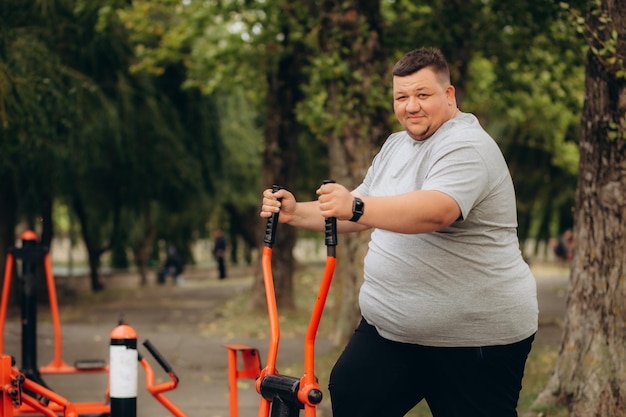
308	216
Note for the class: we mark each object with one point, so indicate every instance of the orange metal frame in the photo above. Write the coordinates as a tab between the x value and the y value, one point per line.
15	399
15	387
251	362
57	365
308	382
57	404
158	391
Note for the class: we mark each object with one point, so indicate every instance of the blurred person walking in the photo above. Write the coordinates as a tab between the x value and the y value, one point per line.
219	253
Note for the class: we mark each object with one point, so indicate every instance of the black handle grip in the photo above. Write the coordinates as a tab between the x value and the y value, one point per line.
272	223
159	358
330	229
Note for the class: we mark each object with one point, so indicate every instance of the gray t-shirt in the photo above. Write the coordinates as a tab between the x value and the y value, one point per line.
467	284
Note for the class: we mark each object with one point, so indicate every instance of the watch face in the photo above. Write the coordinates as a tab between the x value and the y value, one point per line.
357	209
358	205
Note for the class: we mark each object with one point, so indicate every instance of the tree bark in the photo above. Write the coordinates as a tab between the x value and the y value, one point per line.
141	251
93	253
353	30
280	162
590	373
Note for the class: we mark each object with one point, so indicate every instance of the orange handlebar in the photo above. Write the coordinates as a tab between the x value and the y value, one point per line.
308	393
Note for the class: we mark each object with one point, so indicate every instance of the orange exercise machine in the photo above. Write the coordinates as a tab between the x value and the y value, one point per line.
285	396
23	391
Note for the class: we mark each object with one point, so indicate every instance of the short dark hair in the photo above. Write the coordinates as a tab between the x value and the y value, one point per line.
421	58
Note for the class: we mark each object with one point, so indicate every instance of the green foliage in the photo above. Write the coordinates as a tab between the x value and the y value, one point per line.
326	116
529	98
163	102
227	49
238	182
601	34
33	106
605	40
79	126
531	103
216	44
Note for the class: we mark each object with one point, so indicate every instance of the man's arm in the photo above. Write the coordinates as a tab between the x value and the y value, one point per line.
421	211
416	212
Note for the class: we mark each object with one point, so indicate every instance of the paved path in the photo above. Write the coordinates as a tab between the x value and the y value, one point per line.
172	323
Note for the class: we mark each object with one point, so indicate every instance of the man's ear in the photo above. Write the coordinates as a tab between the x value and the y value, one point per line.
451	94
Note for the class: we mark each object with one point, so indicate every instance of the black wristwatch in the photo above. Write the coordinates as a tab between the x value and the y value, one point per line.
357	209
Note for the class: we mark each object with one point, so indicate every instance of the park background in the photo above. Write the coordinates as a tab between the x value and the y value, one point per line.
130	125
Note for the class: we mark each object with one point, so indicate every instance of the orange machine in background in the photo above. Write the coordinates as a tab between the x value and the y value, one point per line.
23	391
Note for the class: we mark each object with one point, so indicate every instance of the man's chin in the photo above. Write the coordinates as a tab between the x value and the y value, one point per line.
418	135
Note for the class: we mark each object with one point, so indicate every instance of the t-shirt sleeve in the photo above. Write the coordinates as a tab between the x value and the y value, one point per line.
461	173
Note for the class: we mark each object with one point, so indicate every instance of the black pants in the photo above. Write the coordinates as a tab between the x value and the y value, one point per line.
221	267
377	377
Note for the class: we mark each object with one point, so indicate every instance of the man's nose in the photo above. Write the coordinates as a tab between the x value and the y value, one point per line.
413	105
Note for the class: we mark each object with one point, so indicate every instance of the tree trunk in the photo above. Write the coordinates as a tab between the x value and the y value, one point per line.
92	251
141	252
590	373
280	162
93	222
353	30
94	268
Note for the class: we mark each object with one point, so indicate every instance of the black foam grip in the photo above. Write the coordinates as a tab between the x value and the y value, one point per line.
272	224
330	230
157	355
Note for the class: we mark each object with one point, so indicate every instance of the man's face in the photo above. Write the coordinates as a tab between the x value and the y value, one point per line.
422	103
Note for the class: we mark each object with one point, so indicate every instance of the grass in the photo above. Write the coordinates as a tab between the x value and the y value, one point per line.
236	320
